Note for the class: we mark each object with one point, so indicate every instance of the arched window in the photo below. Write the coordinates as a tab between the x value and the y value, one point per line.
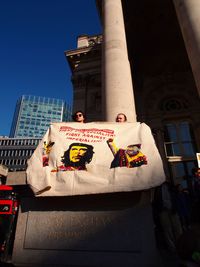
174	104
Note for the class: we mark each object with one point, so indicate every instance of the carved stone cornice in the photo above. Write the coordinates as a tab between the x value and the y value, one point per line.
92	50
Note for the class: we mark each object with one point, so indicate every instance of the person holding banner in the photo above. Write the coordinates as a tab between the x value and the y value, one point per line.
121	117
79	116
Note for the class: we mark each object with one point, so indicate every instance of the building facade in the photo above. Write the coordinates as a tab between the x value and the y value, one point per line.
85	63
163	61
33	115
14	152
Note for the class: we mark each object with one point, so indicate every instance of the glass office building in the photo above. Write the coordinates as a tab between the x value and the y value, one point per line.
33	115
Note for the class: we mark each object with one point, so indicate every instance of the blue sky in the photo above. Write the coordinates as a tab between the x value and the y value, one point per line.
33	37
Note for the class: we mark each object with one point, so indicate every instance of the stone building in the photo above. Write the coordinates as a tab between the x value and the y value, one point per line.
163	40
85	63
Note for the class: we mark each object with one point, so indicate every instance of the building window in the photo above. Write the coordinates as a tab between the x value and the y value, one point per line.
179	140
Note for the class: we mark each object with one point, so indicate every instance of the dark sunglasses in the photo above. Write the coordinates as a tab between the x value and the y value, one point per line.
79	115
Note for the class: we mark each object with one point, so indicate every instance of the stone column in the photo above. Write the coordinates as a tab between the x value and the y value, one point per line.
117	82
188	13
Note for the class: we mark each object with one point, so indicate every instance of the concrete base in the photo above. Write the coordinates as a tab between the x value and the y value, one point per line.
16	178
96	230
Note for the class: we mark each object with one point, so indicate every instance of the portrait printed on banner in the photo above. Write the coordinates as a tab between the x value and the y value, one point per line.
76	157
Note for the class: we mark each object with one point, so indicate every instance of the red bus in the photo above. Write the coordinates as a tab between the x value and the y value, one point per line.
8	211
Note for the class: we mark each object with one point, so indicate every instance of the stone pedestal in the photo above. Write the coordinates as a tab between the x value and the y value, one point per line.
96	230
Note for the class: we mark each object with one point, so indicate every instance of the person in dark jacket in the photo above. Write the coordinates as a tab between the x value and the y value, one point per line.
196	175
183	206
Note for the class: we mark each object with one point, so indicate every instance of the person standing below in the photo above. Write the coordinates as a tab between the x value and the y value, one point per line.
121	117
196	174
166	216
79	116
183	206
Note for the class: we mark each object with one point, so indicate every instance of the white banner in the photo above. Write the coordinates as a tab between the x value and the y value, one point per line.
98	157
